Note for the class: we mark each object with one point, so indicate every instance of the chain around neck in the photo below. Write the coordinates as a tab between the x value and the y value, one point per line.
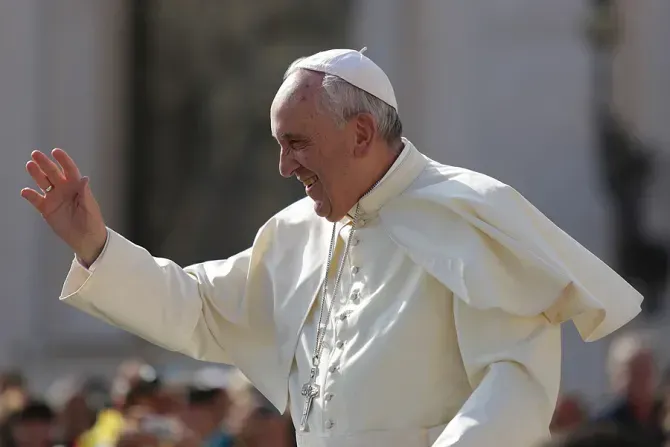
323	326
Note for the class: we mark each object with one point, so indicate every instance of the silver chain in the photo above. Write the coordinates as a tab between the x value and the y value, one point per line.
321	328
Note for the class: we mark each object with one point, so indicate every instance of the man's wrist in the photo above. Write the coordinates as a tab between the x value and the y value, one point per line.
87	257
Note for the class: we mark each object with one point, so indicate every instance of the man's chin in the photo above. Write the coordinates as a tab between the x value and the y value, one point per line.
323	209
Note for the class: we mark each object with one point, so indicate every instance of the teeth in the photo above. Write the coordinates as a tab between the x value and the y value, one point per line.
310	181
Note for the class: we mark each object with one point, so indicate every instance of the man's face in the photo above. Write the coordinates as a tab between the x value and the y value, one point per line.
76	417
314	147
35	433
640	376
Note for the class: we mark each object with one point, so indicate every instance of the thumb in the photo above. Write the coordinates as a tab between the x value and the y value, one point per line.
83	186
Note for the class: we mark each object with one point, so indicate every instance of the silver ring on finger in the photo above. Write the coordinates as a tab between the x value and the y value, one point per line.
49	188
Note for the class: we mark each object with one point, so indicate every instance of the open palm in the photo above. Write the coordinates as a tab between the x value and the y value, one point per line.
66	203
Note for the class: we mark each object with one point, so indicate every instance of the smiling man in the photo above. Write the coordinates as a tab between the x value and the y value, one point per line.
402	303
310	118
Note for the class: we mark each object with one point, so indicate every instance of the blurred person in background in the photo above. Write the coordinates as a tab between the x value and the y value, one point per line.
605	435
137	391
152	410
394	266
154	431
634	379
76	402
664	395
32	426
13	397
13	393
570	414
255	421
130	373
209	406
265	426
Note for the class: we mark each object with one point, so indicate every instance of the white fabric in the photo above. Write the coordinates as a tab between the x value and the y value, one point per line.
418	353
378	438
462	286
355	68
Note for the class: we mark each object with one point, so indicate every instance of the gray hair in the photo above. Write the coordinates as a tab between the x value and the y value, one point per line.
344	101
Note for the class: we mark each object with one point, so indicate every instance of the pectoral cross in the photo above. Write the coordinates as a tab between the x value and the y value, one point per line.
309	390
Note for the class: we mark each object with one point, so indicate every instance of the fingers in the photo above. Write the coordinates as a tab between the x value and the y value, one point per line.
32	196
53	173
38	175
70	168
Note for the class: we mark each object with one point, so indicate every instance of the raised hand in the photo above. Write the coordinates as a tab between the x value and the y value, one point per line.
67	203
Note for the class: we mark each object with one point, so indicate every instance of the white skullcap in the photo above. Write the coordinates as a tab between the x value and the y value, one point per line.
355	68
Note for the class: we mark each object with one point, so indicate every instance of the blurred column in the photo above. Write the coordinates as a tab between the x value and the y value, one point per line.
642	96
19	129
82	53
642	69
658	85
62	85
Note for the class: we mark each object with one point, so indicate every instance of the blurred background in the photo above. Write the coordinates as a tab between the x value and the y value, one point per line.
165	105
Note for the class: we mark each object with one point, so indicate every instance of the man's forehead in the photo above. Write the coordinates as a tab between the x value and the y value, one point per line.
299	86
294	101
288	124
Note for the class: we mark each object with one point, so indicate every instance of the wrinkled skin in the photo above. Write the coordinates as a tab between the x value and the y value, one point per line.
337	162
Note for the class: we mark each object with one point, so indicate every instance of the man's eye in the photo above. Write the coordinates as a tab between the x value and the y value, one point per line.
297	145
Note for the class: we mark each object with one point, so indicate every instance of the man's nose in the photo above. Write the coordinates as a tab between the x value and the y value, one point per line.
287	165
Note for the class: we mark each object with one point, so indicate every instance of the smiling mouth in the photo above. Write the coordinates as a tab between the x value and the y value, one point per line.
310	181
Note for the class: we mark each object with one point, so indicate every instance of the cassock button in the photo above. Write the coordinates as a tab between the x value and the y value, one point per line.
362	222
333	368
354	270
343	316
329	424
328	396
340	344
354	241
355	296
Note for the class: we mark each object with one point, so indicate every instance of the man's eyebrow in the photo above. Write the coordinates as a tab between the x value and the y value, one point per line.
291	136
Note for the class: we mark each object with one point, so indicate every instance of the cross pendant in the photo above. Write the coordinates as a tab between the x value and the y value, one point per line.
309	391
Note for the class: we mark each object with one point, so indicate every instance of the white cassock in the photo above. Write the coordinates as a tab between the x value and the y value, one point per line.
445	332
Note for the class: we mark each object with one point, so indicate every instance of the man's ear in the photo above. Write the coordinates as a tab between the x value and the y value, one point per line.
365	132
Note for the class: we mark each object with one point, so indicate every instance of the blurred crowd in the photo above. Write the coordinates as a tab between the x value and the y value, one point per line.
213	407
638	415
218	407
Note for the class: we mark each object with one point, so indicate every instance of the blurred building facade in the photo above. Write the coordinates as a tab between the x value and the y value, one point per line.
502	87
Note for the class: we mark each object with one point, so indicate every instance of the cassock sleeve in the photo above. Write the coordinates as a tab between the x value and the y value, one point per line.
513	365
191	310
